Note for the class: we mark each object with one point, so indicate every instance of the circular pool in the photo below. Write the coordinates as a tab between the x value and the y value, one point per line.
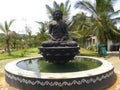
19	75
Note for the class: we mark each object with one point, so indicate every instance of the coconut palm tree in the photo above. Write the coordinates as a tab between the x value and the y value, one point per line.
42	35
43	28
102	13
80	25
2	44
6	30
14	39
64	7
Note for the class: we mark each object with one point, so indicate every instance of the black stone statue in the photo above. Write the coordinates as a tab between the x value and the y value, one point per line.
60	49
57	28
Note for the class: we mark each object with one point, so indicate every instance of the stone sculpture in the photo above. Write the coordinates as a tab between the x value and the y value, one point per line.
60	49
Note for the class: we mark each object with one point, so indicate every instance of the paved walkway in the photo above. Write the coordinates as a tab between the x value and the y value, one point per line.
114	58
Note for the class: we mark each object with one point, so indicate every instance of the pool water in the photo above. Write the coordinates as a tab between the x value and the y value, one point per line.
40	65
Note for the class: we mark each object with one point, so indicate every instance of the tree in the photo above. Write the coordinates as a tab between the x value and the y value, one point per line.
14	39
6	30
2	44
43	28
79	27
29	35
65	8
102	13
42	35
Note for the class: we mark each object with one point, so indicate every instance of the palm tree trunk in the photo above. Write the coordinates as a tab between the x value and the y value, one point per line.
8	46
14	45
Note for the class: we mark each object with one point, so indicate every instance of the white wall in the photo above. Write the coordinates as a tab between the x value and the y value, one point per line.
109	43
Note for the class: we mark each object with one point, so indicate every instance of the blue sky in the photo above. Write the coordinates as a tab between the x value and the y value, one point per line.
28	11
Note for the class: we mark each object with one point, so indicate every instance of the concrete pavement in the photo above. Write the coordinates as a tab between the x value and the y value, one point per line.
114	58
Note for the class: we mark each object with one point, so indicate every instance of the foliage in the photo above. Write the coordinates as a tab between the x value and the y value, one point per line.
43	27
29	51
6	30
64	7
86	52
2	41
80	27
92	48
103	19
19	53
42	35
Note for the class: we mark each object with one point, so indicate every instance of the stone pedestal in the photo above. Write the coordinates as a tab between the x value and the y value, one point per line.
59	52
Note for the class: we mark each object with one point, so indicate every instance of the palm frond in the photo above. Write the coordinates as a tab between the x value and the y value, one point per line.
68	9
41	23
115	13
6	26
65	8
50	11
66	4
116	19
109	6
85	6
2	28
55	6
61	7
11	21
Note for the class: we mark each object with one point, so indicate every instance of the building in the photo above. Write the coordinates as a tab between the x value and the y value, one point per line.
93	41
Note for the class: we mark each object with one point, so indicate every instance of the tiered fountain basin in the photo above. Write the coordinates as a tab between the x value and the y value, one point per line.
59	52
99	78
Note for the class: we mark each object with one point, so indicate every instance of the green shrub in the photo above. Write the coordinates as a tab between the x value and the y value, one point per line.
93	48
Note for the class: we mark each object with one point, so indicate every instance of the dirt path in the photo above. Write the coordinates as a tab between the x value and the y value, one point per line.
114	58
4	85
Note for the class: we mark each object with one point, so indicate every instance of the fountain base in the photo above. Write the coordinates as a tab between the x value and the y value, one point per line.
99	78
59	52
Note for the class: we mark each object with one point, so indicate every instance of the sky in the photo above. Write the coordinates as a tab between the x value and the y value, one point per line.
28	11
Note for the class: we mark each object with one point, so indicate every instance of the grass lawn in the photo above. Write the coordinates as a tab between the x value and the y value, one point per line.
86	52
19	53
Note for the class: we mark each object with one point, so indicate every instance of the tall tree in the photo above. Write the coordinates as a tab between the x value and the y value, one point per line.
64	7
102	13
80	25
6	30
28	35
42	35
43	27
2	44
14	39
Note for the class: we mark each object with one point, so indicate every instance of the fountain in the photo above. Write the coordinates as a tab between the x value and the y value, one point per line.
27	74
